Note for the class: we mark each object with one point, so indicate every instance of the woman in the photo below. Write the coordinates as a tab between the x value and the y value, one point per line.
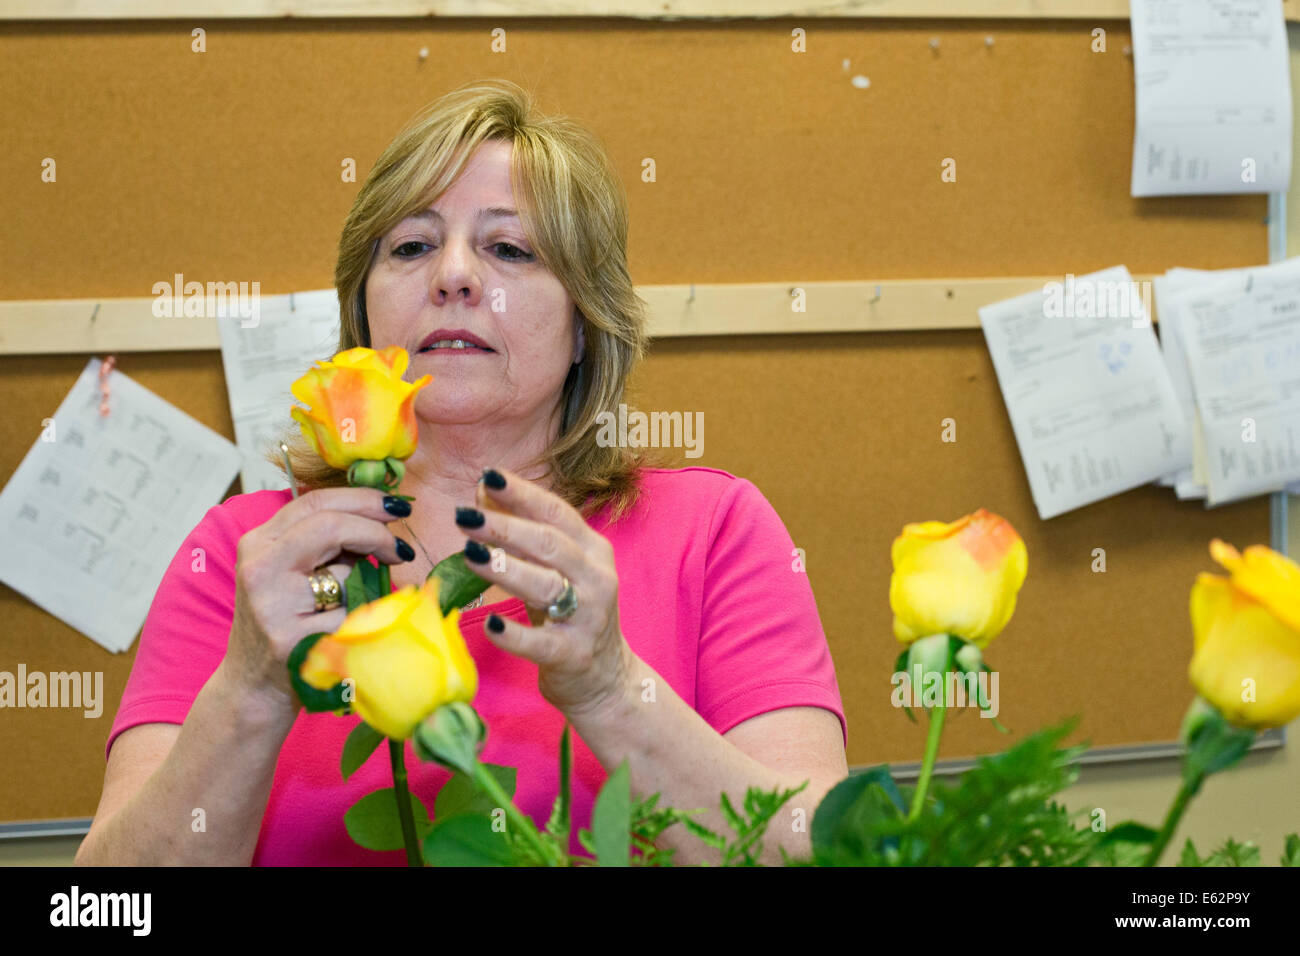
653	609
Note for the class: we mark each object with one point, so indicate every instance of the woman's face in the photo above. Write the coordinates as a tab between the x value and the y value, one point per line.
465	266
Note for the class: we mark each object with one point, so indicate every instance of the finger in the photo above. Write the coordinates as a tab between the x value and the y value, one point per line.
534	585
307	604
526	500
324	622
320	538
541	544
366	502
538	644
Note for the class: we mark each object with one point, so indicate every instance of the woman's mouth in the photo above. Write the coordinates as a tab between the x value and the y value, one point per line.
454	345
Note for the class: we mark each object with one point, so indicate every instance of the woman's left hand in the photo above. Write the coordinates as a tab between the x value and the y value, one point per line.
583	662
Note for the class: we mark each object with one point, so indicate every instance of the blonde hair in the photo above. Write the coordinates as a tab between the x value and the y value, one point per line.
574	212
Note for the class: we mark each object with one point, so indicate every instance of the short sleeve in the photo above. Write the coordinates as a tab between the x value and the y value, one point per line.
187	629
762	646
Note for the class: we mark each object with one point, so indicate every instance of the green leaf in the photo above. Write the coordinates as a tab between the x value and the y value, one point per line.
461	795
458	585
313	699
467	839
760	807
362	585
1126	844
560	822
1291	853
361	743
611	819
730	815
1130	831
1189	856
836	811
1214	745
710	838
566	772
1232	853
373	823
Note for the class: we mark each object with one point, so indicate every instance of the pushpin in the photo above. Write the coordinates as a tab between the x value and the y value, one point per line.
105	370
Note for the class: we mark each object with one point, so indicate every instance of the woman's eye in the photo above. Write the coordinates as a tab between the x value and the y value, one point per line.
521	257
398	250
507	251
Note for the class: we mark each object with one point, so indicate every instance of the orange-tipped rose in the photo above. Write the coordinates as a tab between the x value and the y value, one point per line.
360	407
1246	637
957	578
404	658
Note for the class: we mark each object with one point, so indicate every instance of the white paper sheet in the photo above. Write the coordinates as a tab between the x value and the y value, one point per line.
1213	97
1171	292
94	516
262	361
1090	400
1241	334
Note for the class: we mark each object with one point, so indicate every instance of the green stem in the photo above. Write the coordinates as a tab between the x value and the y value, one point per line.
484	779
395	751
931	751
385	583
1185	794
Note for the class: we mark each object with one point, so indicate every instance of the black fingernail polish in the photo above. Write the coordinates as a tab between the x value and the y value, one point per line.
477	553
404	550
493	479
495	624
469	517
397	507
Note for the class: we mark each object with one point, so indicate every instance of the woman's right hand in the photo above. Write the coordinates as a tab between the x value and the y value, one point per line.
274	604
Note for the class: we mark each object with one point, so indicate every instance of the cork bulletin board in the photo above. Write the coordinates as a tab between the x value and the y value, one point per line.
772	167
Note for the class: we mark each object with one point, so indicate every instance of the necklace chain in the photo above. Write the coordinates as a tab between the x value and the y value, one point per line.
472	604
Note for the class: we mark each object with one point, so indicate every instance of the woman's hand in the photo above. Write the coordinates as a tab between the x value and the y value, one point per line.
274	604
583	662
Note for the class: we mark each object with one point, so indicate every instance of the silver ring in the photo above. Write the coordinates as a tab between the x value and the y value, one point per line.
325	589
564	606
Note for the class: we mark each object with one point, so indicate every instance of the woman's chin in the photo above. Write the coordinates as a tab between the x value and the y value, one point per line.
468	410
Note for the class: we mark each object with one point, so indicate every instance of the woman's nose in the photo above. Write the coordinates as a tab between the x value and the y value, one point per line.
455	273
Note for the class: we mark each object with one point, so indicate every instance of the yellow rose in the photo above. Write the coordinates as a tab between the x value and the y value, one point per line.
405	660
1246	636
959	578
360	407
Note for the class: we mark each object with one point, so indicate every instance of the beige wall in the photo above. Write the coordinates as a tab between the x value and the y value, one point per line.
1257	800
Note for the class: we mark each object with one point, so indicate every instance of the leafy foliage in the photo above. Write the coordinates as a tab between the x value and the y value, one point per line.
997	814
746	847
1229	853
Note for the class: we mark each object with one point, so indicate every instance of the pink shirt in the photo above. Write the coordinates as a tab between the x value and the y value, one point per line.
708	598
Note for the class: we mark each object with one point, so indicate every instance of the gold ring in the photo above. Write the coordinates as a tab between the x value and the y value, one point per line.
325	589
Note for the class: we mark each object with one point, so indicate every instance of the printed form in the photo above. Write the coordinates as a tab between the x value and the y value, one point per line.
1213	97
101	505
1172	291
262	361
1241	335
1091	404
